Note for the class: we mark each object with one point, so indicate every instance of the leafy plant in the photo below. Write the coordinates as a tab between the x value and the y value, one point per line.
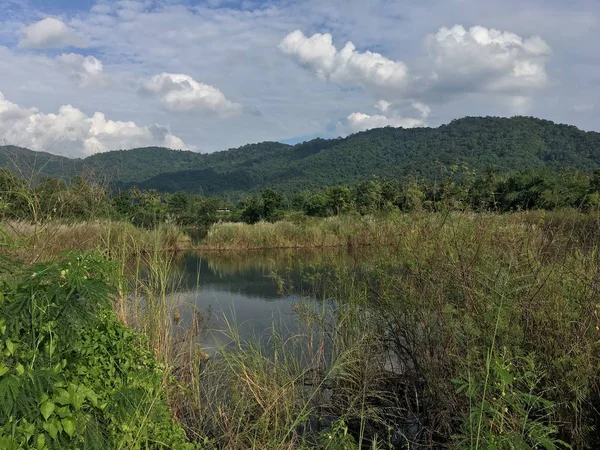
71	376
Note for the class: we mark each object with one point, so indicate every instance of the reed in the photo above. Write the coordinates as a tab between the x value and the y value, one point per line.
341	231
34	242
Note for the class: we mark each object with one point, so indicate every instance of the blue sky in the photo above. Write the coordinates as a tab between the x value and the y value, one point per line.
84	76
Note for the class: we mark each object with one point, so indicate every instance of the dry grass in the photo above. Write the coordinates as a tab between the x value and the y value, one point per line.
34	243
340	231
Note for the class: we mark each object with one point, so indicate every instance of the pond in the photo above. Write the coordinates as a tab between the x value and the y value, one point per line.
251	292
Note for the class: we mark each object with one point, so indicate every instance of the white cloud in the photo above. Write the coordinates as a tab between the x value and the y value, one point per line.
487	60
179	92
346	66
382	105
458	61
422	108
85	70
358	121
72	133
50	33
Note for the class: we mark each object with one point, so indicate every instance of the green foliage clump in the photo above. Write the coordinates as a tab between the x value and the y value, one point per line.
71	375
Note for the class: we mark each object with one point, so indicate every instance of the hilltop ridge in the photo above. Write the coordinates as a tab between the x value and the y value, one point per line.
509	144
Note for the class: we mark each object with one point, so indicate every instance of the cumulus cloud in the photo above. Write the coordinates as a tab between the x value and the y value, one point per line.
358	121
70	132
50	33
489	60
180	92
458	61
85	70
346	66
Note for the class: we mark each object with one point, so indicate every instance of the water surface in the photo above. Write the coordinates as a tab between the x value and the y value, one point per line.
252	291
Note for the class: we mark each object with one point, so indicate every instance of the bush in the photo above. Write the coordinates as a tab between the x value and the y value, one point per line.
71	376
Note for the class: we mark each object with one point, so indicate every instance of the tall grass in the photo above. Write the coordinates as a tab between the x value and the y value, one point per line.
464	331
34	242
339	231
448	331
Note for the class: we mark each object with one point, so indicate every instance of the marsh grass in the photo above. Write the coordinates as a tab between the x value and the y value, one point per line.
340	231
42	242
463	331
446	330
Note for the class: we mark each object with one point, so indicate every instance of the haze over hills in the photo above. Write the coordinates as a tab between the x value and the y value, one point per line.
510	144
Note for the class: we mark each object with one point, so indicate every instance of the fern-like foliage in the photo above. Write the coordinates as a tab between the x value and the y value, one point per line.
71	376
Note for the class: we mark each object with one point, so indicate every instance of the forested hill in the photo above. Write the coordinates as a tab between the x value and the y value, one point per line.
510	144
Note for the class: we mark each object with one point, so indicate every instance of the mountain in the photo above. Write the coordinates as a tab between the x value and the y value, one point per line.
32	165
510	144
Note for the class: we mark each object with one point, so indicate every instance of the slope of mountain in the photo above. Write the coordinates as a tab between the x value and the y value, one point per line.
509	144
31	165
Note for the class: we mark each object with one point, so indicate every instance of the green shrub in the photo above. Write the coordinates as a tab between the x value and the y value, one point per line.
71	376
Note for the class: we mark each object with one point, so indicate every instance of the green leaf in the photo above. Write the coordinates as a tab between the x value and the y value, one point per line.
11	346
92	397
63	411
52	429
47	409
504	375
20	369
77	396
69	425
3	369
62	397
41	441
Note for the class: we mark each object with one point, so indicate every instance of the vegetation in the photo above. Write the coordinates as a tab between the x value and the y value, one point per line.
466	330
461	189
509	145
71	375
342	231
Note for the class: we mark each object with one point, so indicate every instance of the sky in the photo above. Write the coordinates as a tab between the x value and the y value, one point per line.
79	77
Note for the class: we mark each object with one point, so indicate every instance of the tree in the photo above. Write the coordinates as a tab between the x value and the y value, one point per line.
123	204
272	201
178	204
368	196
253	209
413	197
339	198
316	205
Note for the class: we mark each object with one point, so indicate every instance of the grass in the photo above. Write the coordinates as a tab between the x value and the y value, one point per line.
463	331
33	242
437	331
340	231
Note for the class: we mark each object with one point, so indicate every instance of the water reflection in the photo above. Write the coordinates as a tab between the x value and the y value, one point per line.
246	289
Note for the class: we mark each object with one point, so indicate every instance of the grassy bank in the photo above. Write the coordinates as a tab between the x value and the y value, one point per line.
41	242
354	231
341	231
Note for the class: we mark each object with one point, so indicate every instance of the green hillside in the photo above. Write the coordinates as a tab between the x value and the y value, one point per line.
510	144
32	165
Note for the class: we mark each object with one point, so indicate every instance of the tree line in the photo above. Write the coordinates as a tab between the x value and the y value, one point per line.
460	189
